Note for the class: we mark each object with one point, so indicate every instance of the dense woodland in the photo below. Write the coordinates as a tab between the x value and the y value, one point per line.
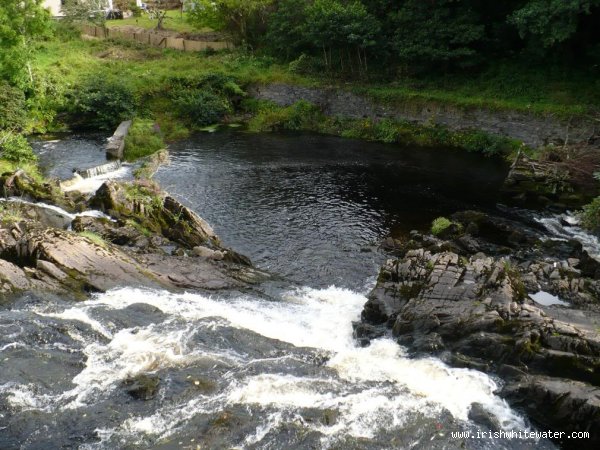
392	36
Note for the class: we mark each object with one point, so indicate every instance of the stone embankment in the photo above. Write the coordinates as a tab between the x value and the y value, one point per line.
532	129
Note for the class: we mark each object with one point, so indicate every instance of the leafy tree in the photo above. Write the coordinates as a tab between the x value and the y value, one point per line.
12	107
442	33
79	11
344	29
158	12
287	34
21	22
15	148
552	21
245	20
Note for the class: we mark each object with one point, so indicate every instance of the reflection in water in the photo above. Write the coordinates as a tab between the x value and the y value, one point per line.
314	208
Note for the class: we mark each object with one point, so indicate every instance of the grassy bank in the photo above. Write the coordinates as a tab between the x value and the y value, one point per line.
163	82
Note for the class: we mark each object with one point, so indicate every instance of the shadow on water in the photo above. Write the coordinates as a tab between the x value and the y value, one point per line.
314	208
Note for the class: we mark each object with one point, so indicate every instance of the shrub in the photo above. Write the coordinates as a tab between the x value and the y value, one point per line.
144	138
102	103
439	225
590	216
13	113
201	107
15	148
302	115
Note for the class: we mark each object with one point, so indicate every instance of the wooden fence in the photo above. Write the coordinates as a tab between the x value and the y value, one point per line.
156	40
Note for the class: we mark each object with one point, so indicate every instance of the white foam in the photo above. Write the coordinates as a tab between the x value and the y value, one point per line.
370	388
589	242
58	210
91	185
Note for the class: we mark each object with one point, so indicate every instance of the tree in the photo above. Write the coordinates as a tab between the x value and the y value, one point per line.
440	33
21	22
245	20
344	30
92	11
552	21
158	12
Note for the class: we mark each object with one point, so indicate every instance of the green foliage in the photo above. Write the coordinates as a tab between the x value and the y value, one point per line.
433	33
15	148
200	108
244	19
205	100
301	115
13	109
590	216
144	138
340	31
552	21
439	225
21	22
102	102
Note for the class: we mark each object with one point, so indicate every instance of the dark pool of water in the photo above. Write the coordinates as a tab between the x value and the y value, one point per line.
314	208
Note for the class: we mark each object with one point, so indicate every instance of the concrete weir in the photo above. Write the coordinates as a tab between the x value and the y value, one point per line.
116	143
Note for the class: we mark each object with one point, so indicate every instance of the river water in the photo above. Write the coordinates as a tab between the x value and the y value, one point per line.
275	367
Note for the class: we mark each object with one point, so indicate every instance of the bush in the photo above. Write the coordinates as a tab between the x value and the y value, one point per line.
302	115
204	100
13	110
201	108
144	138
439	225
590	216
15	148
102	103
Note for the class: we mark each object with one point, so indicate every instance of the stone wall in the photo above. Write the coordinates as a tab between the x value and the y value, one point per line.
531	129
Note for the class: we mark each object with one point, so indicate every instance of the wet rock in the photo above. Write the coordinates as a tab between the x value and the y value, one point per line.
474	312
208	253
364	332
142	387
559	404
483	417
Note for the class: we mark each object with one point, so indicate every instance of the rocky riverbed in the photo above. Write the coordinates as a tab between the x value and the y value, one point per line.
135	235
466	296
199	349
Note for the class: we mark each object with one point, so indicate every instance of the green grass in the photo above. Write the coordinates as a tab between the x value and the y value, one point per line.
175	21
144	139
95	238
30	169
10	213
145	70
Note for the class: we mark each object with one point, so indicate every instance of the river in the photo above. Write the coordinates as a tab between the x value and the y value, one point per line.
274	367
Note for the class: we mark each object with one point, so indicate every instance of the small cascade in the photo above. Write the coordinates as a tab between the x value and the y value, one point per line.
89	180
112	166
566	226
53	215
